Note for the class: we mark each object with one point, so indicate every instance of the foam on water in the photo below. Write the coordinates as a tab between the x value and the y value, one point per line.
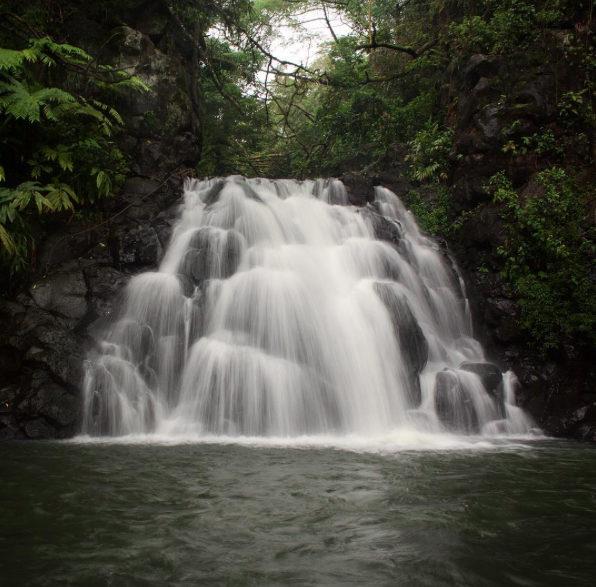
278	318
402	440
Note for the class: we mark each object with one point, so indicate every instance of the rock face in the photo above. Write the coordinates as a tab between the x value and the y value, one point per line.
492	109
407	331
496	109
453	405
45	333
163	124
558	390
359	187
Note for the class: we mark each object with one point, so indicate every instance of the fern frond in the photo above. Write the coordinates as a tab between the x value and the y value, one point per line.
136	84
67	52
24	101
7	241
10	59
49	113
116	116
42	50
47	60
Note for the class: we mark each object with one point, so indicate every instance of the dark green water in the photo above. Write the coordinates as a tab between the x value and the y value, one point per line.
158	515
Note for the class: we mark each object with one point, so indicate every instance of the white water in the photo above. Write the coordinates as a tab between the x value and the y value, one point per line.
276	314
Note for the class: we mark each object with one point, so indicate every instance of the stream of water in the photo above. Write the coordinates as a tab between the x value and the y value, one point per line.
278	312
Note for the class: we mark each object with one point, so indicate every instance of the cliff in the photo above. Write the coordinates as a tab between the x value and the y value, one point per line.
46	330
511	116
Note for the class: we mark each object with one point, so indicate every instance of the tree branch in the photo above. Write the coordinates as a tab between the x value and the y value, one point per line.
408	50
329	23
391	46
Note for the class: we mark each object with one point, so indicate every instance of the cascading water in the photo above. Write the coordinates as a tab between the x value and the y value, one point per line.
276	312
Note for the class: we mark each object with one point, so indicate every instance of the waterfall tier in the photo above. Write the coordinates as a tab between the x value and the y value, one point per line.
278	311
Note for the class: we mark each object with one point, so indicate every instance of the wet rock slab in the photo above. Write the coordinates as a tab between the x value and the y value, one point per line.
47	331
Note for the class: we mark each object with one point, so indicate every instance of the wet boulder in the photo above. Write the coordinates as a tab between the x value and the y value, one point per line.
212	194
39	429
105	287
249	192
55	404
140	246
490	375
454	407
492	380
480	66
187	287
384	229
189	270
360	188
62	293
212	254
412	341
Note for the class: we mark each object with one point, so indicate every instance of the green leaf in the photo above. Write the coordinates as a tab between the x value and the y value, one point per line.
65	161
6	240
42	203
101	178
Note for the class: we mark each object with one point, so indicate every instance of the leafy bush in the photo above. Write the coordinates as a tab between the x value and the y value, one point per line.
434	218
505	27
547	257
429	153
575	110
57	146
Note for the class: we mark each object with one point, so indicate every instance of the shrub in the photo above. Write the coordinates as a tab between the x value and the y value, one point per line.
57	146
429	153
547	257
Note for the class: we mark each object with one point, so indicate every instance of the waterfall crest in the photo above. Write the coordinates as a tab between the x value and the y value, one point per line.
277	311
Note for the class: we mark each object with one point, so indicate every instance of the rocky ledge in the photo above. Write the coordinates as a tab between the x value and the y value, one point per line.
46	331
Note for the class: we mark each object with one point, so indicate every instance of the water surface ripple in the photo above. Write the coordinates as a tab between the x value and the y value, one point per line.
92	515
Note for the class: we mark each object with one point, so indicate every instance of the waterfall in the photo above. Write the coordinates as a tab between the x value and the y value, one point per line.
278	311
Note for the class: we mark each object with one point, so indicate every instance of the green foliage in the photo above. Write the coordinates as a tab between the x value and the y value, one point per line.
44	51
547	257
541	143
429	153
56	146
353	102
233	140
575	110
505	26
435	217
545	143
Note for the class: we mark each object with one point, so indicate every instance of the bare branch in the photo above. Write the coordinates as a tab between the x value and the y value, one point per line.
391	46
329	23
